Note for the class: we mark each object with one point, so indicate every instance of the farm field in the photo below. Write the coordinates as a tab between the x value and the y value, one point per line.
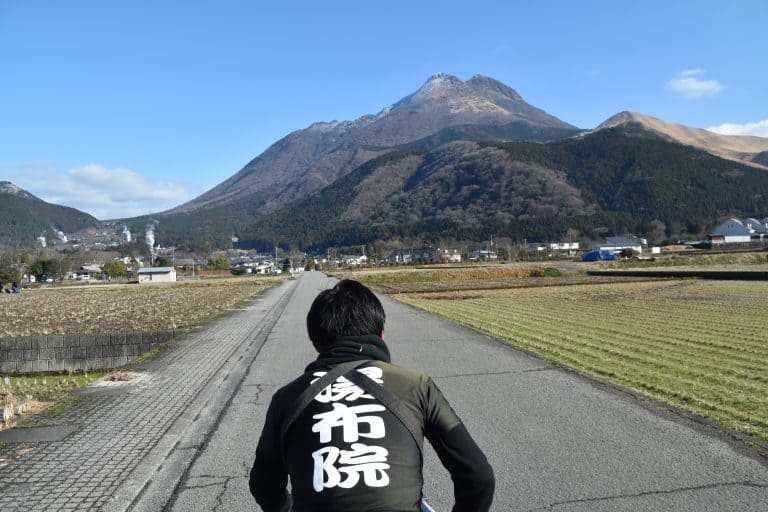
124	308
701	346
475	277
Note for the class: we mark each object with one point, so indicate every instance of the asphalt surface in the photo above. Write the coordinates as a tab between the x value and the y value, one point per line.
183	437
556	440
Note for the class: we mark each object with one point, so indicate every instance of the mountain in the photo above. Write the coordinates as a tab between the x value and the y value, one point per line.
751	150
312	158
761	158
24	217
6	187
612	180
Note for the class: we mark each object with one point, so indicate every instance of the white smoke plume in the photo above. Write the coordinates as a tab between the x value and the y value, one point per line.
149	236
61	236
127	234
41	239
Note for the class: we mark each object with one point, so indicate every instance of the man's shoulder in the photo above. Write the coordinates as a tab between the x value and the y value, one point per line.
402	373
293	389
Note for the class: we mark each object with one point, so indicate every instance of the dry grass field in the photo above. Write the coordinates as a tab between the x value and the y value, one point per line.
124	308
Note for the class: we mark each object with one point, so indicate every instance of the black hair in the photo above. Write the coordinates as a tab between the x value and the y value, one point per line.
347	309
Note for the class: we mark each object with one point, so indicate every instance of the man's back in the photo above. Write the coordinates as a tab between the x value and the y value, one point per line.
346	451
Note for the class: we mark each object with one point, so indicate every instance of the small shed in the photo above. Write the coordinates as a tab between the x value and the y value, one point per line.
157	275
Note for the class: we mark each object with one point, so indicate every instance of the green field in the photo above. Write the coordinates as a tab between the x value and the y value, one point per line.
699	345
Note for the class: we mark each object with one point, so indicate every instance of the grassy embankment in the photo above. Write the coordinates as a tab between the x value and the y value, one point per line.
30	394
701	346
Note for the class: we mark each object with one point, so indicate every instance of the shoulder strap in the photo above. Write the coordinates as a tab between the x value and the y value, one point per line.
311	392
393	403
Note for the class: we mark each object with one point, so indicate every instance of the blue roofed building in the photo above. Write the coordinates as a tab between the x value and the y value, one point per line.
731	231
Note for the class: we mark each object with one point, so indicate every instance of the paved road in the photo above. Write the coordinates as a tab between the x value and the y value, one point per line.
187	432
557	442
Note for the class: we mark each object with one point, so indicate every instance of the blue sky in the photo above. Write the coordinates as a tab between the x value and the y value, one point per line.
125	108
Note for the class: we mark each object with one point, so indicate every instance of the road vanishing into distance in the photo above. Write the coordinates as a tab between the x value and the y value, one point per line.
182	435
556	440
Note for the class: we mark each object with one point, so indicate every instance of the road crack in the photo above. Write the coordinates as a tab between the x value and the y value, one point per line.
220	495
747	483
505	372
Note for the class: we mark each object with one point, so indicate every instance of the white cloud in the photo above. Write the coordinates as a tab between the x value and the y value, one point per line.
691	72
688	84
104	193
758	129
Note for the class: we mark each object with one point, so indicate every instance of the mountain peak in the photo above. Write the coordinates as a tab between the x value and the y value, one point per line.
487	85
625	117
309	159
439	84
441	78
6	187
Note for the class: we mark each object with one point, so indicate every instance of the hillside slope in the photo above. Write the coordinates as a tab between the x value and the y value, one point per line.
24	217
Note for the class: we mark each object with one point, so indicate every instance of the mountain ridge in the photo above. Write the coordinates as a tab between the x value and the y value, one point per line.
745	149
308	159
610	180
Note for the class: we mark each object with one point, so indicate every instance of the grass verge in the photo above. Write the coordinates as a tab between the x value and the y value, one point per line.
40	394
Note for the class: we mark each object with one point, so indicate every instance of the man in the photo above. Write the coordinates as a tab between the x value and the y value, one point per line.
346	451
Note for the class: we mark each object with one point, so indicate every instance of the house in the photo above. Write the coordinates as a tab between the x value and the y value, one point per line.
184	262
483	255
563	246
757	229
87	272
554	248
399	257
616	244
354	260
157	275
731	231
411	256
449	255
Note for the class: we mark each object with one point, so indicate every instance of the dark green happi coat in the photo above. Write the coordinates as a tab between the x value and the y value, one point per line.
346	451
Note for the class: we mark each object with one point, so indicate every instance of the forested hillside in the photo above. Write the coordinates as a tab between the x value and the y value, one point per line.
23	218
615	180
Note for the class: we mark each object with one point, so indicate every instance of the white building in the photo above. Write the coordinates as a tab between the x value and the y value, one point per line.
732	231
157	275
616	244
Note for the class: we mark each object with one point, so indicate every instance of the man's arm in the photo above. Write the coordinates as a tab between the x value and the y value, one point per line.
472	475
269	476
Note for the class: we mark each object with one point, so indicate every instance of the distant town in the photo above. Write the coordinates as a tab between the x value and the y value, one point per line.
106	255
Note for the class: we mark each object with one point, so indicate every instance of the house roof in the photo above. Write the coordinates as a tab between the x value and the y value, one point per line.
755	224
623	240
731	227
155	270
